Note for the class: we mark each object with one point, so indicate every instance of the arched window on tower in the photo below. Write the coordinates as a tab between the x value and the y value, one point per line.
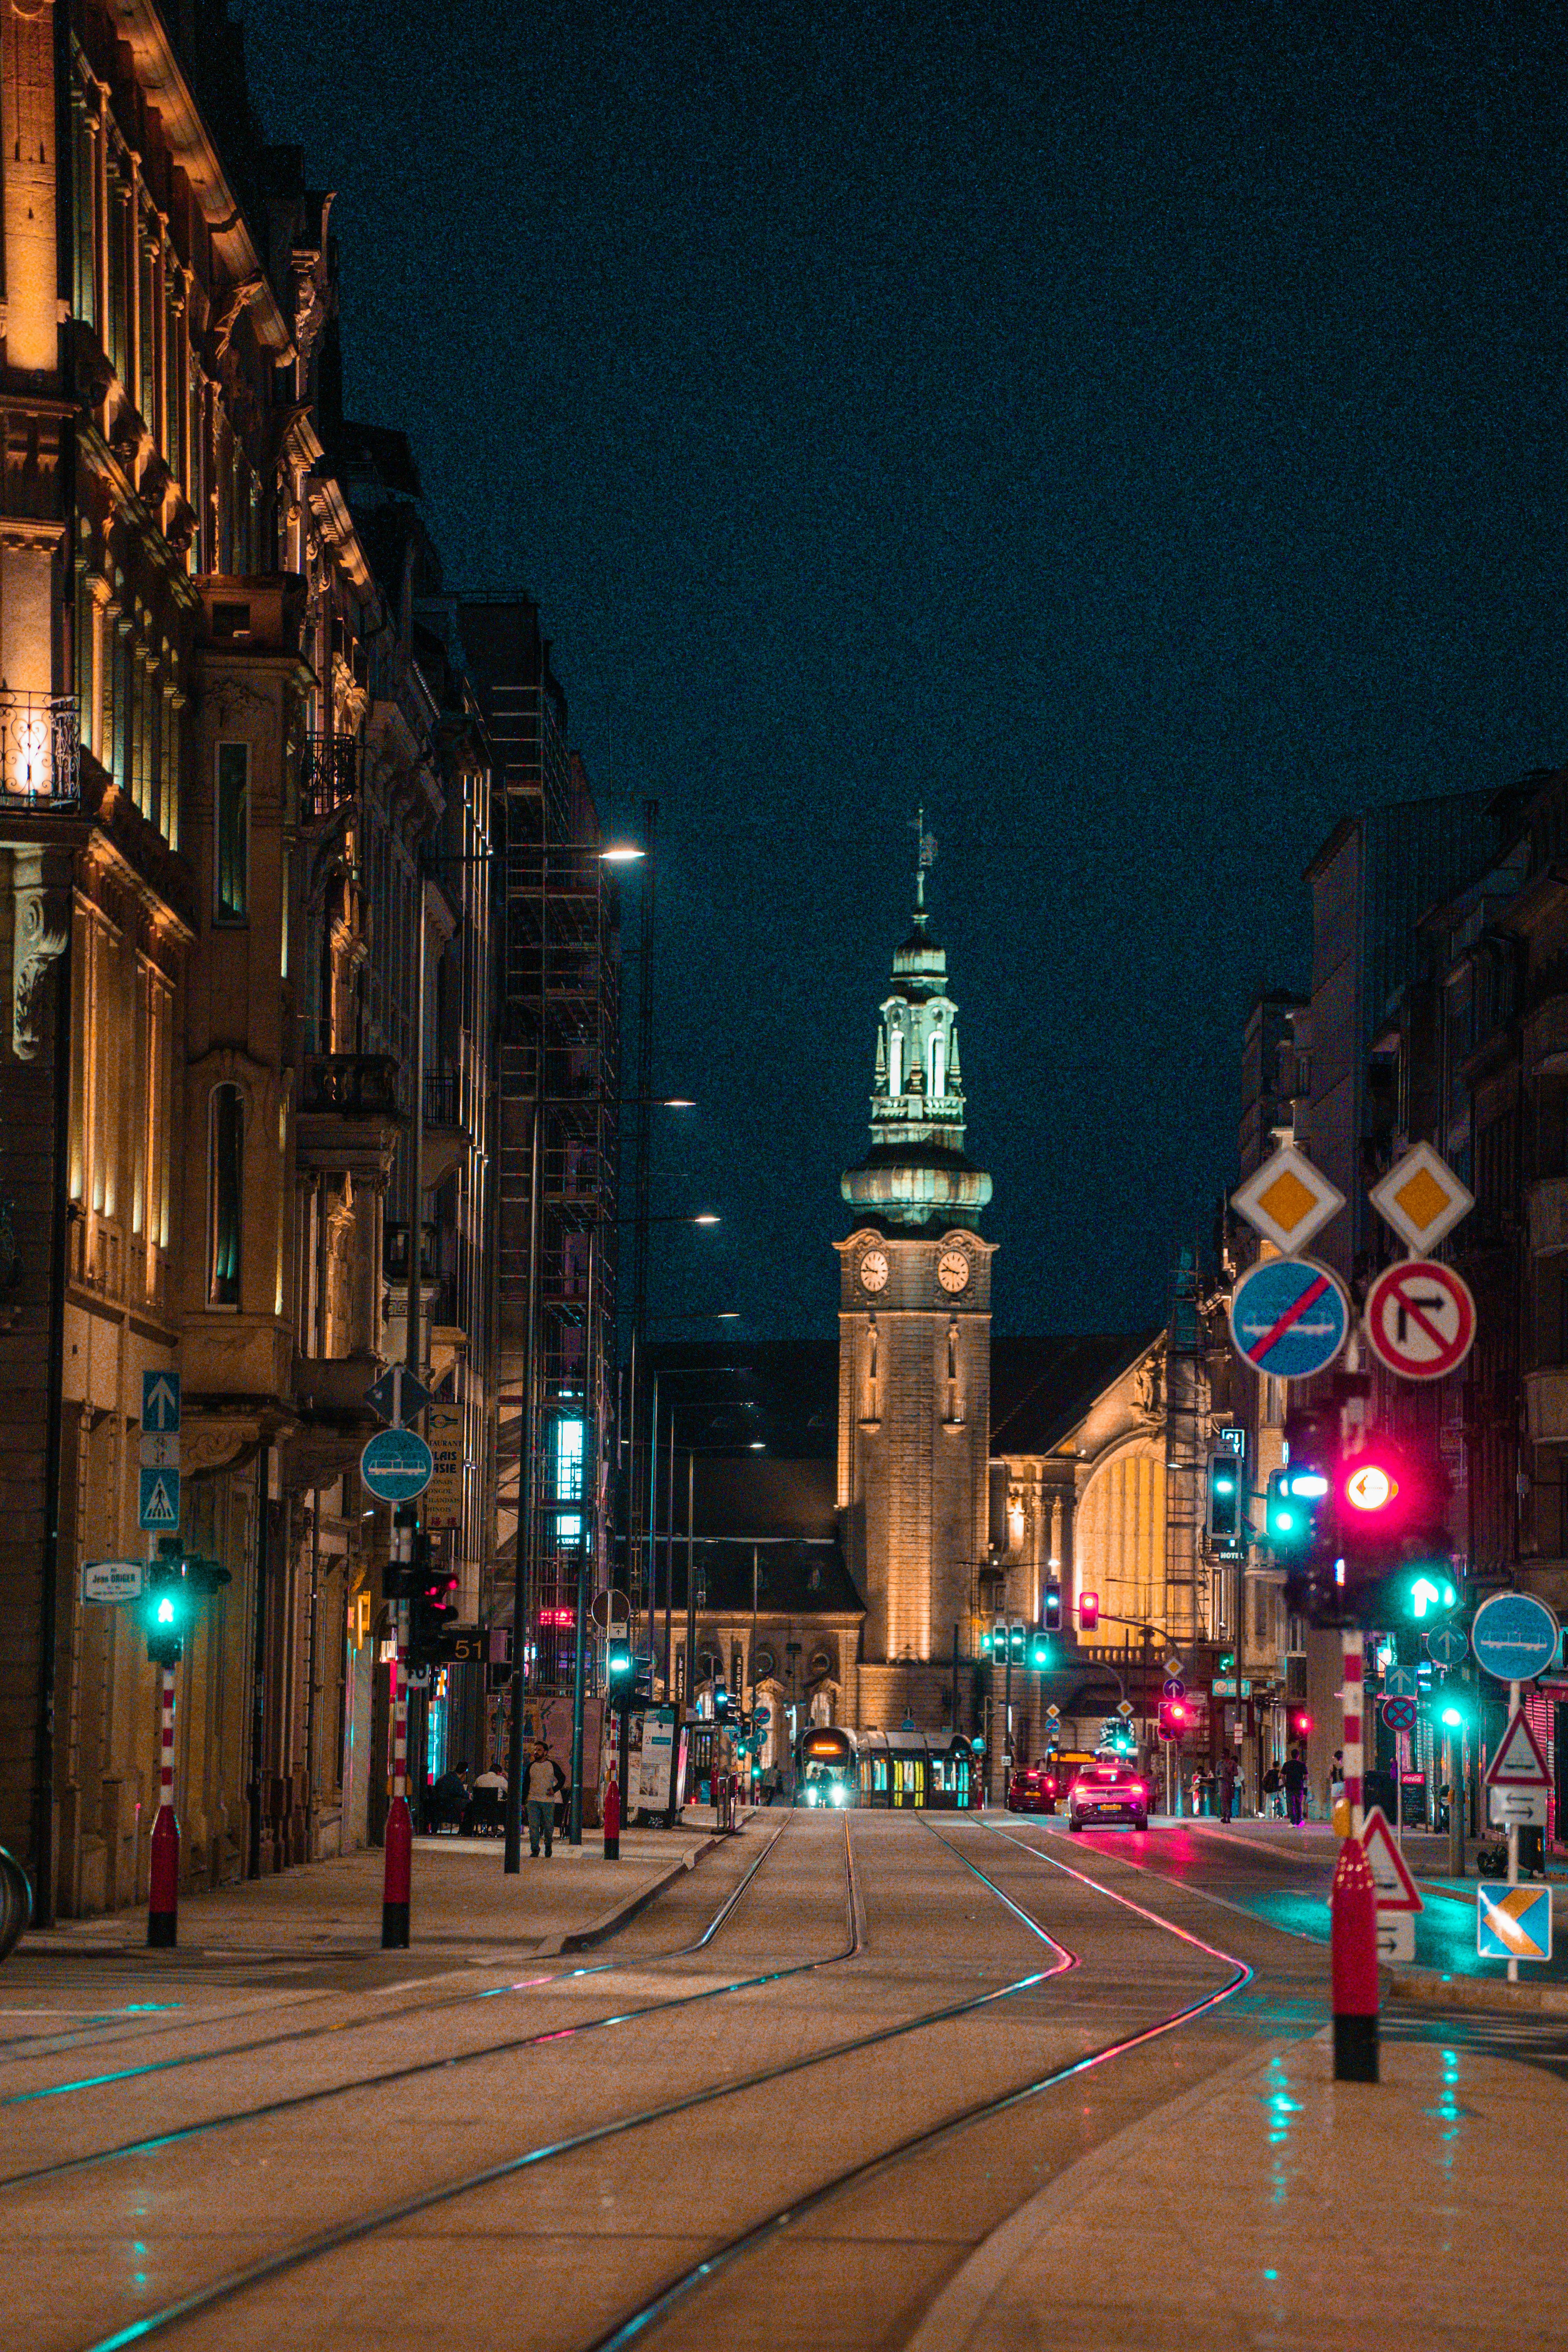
868	1411
895	1060
939	1061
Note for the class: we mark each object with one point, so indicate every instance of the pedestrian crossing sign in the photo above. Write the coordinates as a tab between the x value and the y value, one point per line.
161	1499
1513	1923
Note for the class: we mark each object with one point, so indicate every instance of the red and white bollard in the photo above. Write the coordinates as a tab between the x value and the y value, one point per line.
1353	1945
399	1838
163	1884
613	1817
1353	1655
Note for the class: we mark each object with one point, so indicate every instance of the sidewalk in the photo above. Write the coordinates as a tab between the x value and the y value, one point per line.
1466	2222
462	1905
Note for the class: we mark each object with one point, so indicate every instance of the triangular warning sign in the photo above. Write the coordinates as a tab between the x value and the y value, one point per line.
1519	1762
1396	1889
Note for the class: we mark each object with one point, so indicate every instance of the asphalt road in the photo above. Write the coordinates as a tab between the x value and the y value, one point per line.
1285	1882
809	2080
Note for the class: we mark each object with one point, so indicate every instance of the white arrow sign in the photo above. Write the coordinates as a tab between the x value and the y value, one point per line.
160	1400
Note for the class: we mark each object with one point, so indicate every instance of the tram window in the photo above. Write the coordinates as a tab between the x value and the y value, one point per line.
878	1771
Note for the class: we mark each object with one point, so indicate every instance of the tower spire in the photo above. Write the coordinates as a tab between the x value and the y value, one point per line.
925	854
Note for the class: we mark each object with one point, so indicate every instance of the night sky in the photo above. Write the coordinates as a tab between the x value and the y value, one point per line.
1135	431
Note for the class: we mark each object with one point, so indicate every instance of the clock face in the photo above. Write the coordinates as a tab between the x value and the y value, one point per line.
953	1270
874	1270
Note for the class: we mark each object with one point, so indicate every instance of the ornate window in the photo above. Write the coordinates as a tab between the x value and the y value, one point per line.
939	1061
895	1060
226	1154
231	833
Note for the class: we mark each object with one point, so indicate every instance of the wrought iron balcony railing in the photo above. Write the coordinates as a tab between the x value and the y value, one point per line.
443	1098
355	1086
40	752
329	775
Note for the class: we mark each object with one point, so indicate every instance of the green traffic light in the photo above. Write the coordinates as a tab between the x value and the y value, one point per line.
1451	1717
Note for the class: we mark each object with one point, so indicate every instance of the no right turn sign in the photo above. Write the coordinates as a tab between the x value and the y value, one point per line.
1421	1318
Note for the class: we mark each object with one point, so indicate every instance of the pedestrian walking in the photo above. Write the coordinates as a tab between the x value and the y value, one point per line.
1295	1778
542	1775
1271	1787
1228	1774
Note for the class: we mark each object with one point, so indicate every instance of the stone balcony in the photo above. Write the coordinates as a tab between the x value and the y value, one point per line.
1546	1405
350	1115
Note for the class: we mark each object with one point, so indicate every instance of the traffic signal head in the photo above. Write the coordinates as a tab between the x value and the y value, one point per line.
167	1610
1301	1723
1391	1532
1015	1638
1039	1650
1087	1612
1174	1716
1052	1611
1227	1662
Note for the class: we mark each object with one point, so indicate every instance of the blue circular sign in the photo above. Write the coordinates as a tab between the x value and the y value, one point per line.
1515	1636
396	1465
1289	1317
1447	1644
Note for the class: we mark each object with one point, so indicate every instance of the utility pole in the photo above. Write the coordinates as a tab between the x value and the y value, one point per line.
398	1837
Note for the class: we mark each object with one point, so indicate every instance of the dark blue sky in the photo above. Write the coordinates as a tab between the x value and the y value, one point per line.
1136	430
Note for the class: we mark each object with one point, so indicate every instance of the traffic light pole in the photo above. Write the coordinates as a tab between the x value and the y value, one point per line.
163	1884
399	1832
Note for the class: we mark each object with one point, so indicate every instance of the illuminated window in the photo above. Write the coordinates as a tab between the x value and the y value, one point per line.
231	833
566	1446
896	1061
225	1173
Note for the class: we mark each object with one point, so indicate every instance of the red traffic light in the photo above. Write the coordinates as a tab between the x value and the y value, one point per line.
1300	1724
1369	1485
1087	1610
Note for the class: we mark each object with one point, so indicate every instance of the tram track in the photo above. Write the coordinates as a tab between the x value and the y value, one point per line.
374	2021
633	2327
286	2260
513	2046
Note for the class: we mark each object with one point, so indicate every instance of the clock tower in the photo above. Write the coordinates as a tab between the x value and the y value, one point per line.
914	1350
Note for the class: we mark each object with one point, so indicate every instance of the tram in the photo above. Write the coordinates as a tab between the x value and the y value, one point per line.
825	1766
917	1767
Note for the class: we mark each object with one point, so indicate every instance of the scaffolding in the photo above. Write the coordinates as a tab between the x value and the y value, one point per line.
559	1075
1186	1385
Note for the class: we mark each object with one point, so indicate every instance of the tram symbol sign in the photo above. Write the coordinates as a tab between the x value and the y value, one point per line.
1399	1713
1515	1636
1289	1317
395	1465
1421	1318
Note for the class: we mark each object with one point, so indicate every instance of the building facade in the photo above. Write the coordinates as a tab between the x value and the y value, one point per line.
237	787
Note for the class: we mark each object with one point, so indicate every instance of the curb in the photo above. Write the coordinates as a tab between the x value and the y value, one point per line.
1424	1989
582	1940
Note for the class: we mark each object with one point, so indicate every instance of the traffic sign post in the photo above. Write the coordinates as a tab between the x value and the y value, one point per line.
1397	1897
1515	1637
1420	1320
1289	1317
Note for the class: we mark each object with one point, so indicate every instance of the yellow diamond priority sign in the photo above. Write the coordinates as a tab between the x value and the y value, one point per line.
1287	1201
1422	1199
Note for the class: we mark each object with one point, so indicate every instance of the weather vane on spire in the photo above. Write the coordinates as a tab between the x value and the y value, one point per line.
925	854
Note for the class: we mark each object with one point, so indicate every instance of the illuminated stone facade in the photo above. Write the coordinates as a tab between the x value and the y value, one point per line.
914	1329
231	745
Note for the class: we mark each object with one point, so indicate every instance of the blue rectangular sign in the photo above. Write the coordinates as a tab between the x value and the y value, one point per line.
1513	1923
161	1499
159	1401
